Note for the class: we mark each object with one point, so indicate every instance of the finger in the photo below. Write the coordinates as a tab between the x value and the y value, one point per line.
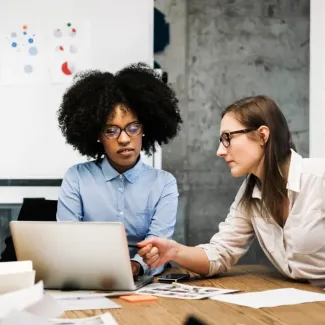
152	260
155	264
145	242
145	250
153	251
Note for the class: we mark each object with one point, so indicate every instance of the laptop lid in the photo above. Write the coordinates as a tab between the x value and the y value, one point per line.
76	255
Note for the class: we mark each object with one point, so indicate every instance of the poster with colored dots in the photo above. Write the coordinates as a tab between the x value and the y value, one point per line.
68	51
23	59
48	54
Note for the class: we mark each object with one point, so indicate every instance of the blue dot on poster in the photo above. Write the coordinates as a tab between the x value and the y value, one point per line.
25	33
14	44
30	40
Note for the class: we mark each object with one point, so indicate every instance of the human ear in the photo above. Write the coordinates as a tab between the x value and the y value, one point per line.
264	133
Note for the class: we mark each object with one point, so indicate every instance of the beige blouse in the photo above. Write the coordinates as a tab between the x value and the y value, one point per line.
298	249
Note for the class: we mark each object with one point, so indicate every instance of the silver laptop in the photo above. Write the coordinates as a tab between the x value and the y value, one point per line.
77	255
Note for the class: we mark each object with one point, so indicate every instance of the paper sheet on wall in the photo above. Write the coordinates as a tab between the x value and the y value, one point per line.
38	54
68	50
23	59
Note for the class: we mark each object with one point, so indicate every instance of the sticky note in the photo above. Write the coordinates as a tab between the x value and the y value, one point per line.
139	298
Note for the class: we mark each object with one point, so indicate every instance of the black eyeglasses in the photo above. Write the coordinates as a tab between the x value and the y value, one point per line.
225	136
113	131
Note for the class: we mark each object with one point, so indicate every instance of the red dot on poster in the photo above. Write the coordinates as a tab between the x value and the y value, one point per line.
74	30
66	69
61	48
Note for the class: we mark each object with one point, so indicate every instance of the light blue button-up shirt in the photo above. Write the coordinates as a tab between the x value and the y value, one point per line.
143	198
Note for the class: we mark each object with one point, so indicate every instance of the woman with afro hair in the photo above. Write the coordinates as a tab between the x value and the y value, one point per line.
111	118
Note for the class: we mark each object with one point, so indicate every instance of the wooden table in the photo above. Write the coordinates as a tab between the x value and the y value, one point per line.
244	278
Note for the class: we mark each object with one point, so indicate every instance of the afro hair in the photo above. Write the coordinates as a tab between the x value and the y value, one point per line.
94	95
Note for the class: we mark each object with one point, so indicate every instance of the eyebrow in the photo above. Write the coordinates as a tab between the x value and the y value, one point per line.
225	131
135	121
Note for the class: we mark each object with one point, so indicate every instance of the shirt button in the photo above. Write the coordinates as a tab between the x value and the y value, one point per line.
121	213
120	189
121	176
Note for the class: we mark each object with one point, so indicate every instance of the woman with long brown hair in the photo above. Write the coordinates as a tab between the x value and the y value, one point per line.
281	202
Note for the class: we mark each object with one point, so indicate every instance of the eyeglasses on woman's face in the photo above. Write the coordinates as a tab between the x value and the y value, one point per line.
113	131
225	137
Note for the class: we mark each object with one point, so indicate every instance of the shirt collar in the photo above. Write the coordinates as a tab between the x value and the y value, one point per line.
295	170
256	193
131	175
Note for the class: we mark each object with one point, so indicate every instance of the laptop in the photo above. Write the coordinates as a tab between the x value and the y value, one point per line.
77	255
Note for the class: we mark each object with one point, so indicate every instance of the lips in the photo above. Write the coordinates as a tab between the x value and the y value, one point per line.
125	150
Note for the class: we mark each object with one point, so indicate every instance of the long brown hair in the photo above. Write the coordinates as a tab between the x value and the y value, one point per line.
254	112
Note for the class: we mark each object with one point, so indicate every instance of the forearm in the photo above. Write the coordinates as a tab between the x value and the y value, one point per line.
193	259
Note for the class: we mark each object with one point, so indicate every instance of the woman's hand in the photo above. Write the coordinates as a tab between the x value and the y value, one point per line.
157	251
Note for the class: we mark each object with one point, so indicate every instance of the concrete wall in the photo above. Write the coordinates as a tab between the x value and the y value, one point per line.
219	52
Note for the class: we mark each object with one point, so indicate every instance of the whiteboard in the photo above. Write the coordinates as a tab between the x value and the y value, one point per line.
116	33
317	79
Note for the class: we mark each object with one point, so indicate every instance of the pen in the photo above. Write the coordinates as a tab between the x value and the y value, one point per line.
132	246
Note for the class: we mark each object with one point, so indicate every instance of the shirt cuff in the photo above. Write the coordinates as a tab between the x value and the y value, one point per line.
213	257
144	266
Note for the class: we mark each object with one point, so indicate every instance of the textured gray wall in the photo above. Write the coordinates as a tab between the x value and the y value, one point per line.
221	51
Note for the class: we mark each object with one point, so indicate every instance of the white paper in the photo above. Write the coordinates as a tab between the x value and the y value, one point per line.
61	294
104	319
16	281
15	267
26	318
16	275
68	49
21	299
28	306
47	308
271	298
22	55
23	318
87	303
181	291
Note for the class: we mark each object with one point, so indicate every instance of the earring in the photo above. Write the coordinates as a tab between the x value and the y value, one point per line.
143	135
98	140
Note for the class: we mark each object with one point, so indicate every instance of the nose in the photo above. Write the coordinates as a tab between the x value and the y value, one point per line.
123	138
222	150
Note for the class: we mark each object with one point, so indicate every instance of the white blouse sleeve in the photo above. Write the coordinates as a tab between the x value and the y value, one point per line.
232	241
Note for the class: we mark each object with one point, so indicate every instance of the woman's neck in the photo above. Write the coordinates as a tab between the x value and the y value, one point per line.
284	169
121	168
